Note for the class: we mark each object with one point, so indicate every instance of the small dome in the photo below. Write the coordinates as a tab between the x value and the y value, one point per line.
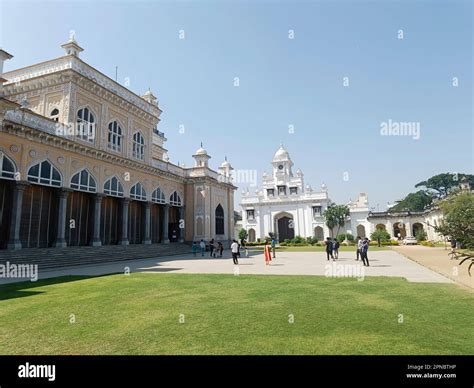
299	172
324	187
201	151
281	154
225	164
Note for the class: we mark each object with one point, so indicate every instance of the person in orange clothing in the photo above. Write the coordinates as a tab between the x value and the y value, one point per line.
267	253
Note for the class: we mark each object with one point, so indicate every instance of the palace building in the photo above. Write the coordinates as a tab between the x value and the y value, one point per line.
287	207
83	163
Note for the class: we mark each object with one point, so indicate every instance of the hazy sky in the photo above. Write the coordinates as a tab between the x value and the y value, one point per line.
283	82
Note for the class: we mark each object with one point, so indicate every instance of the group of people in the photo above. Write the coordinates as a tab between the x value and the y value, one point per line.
362	249
332	249
215	248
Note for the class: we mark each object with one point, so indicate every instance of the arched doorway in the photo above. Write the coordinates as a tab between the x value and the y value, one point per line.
361	231
380	226
173	225
219	220
399	230
417	226
319	233
251	233
284	226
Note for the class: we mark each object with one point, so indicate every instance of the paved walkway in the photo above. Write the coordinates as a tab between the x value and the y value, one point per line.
383	263
437	259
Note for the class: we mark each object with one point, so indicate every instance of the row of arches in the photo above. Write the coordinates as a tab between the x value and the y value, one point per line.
86	131
399	229
51	214
44	173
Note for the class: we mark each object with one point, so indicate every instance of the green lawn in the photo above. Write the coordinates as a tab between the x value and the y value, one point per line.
225	314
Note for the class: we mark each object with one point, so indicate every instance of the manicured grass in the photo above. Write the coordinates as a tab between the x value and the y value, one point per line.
315	248
225	314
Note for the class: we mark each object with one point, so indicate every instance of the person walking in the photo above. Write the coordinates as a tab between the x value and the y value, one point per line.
328	243
202	245
211	247
364	250
359	246
194	248
273	246
220	248
235	250
267	253
336	246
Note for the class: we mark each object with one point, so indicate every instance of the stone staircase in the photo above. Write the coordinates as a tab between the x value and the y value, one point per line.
53	258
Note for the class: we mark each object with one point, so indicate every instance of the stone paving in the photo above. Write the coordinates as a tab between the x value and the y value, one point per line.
382	263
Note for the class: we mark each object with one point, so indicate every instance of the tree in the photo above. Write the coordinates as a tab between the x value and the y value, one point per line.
458	218
421	235
336	215
442	185
243	234
414	202
380	235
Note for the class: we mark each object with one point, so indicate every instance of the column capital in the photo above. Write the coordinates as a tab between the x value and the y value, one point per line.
21	185
64	192
124	201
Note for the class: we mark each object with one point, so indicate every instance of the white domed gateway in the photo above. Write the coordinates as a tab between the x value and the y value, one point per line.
287	207
94	155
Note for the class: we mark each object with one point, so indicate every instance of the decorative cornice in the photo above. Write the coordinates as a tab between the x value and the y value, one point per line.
70	62
49	138
27	124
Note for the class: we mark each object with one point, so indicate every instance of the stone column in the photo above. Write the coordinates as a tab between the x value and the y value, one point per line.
96	242
166	216
408	230
62	208
181	223
147	239
14	234
124	238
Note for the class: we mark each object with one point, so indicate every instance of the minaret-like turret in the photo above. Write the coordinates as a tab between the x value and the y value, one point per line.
201	157
72	47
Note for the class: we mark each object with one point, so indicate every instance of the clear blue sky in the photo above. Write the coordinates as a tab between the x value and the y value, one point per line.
283	82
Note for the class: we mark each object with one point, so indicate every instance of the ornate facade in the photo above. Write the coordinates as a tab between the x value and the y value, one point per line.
287	207
83	163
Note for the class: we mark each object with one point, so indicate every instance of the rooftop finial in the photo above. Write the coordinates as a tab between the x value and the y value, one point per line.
201	144
225	158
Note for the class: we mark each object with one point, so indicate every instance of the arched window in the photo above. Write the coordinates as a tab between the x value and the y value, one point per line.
85	125
138	192
44	173
7	168
158	196
113	187
54	115
219	220
84	181
138	146
115	136
175	199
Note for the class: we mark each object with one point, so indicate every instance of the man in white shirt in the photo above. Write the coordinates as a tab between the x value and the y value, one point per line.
359	247
235	250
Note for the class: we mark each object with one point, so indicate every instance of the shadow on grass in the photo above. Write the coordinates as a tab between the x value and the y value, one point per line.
23	289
